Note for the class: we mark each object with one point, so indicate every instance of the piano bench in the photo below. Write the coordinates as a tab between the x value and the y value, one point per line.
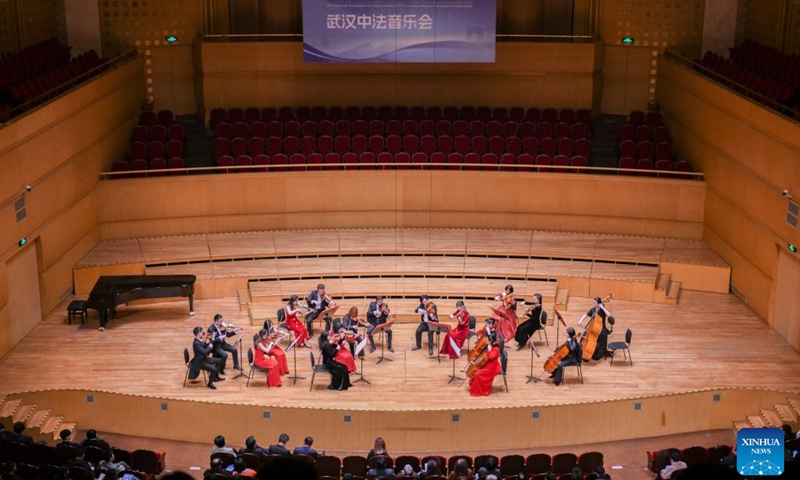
75	308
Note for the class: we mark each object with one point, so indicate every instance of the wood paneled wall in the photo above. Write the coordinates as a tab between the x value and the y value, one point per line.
749	155
59	151
525	74
416	431
402	199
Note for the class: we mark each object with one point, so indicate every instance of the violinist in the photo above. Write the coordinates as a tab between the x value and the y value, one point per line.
506	315
222	347
340	377
532	324
350	322
428	313
598	309
320	304
292	310
377	314
202	348
265	346
338	338
453	341
572	358
274	349
481	384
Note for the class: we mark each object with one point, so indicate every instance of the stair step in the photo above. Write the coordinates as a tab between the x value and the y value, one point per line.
562	295
674	290
65	426
38	418
756	421
51	425
740	425
786	413
662	282
9	408
23	413
772	418
795	404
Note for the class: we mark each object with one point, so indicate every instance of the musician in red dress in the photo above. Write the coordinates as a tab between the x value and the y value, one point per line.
276	351
453	341
339	341
481	384
263	348
293	309
506	314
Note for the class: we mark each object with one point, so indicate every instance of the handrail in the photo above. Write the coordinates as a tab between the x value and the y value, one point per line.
404	166
260	37
730	84
69	84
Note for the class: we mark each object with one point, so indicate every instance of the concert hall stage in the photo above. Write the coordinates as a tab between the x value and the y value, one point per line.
699	365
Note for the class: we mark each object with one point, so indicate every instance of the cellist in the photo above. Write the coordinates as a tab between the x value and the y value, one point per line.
572	358
481	384
599	309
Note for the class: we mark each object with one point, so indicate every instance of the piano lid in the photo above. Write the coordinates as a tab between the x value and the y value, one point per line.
124	283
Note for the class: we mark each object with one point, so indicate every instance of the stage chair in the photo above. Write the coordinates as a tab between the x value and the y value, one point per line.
320	368
624	346
254	368
579	369
564	463
186	360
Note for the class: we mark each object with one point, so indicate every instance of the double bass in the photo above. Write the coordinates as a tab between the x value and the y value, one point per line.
560	353
594	327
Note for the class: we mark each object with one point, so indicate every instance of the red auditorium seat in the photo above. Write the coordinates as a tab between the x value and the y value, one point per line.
375	127
158	133
360	127
174	149
646	149
467	113
511	128
462	144
565	146
653	119
476	128
384	159
681	166
438	159
516	114
225	161
155	150
427	127
561	130
269	114
252	115
419	160
244	161
444	144
343	127
538	463
235	115
285	114
302	114
627	163
513	145
530	146
664	151
627	148
661	134
494	128
255	146
291	145
260	161
410	127
584	116
543	160
499	114
278	160
627	132
139	165
548	146
325	145
140	133
444	127
313	160
533	114
427	144
385	113
479	144
497	145
147	118
222	147
544	130
418	113
490	161
292	128
473	161
369	113
460	127
401	113
394	127
177	132
366	160
563	463
525	159
561	161
377	144
297	159
273	146
335	114
352	113
238	147
410	143
333	161
645	165
326	127
308	145
449	113
643	133
394	144
166	118
341	144
402	160
507	159
527	129
663	166
483	113
636	118
578	130
309	128
454	161
218	116
224	130
583	147
359	144
550	115
177	164
566	115
578	161
275	129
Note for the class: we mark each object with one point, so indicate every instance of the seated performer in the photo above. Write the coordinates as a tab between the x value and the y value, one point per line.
532	324
264	347
428	313
221	347
293	309
349	324
599	309
338	338
481	384
320	304
573	358
202	348
506	314
276	351
453	341
377	314
340	378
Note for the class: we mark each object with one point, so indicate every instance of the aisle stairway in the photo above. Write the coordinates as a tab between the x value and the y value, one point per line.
199	142
774	417
605	140
41	424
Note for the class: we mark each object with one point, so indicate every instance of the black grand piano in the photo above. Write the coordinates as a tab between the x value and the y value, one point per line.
111	291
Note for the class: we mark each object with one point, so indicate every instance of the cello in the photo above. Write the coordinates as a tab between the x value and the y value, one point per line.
592	331
560	353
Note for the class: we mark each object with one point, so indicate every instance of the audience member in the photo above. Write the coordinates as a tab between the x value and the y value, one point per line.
461	471
251	446
110	466
9	471
787	432
347	476
429	469
18	435
280	448
601	473
550	476
78	469
92	440
216	468
64	435
241	470
708	471
380	469
577	474
407	472
378	449
288	468
490	468
491	477
219	446
3	433
307	450
675	464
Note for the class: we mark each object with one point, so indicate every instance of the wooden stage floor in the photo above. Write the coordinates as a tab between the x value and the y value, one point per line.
706	341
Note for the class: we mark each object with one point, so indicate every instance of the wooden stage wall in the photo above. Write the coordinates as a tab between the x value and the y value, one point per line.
137	208
407	431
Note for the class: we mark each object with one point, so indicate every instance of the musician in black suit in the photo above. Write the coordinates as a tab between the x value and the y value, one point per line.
202	361
377	314
220	346
573	358
320	303
428	313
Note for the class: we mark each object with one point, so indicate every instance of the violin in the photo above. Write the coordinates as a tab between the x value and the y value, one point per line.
231	327
430	312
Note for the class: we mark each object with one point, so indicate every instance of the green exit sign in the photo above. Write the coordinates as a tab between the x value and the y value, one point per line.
171	39
628	40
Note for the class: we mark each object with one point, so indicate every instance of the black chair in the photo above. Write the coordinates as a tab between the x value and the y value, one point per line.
537	463
482	460
373	461
281	314
589	461
186	360
403	460
251	460
693	455
122	455
564	463
543	330
511	465
19	452
227	459
578	369
148	461
51	472
65	453
624	346
254	368
451	462
317	368
329	466
94	455
41	454
354	465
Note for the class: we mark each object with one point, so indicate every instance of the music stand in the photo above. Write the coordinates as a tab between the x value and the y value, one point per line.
359	349
453	376
438	328
383	327
530	377
241	372
291	347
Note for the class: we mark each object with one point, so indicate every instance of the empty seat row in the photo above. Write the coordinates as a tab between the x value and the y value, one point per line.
293	128
647	167
142	165
402	160
644	132
155	149
651	119
48	81
395	144
658	459
743	80
159	133
148	118
645	149
32	61
768	61
401	113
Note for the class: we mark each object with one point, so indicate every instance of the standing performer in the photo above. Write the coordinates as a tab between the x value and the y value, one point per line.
276	351
201	347
340	378
532	324
221	347
481	384
320	304
266	346
338	339
293	309
428	313
378	313
599	309
572	358
506	314
453	341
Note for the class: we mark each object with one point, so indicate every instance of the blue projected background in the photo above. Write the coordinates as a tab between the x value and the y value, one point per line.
419	31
